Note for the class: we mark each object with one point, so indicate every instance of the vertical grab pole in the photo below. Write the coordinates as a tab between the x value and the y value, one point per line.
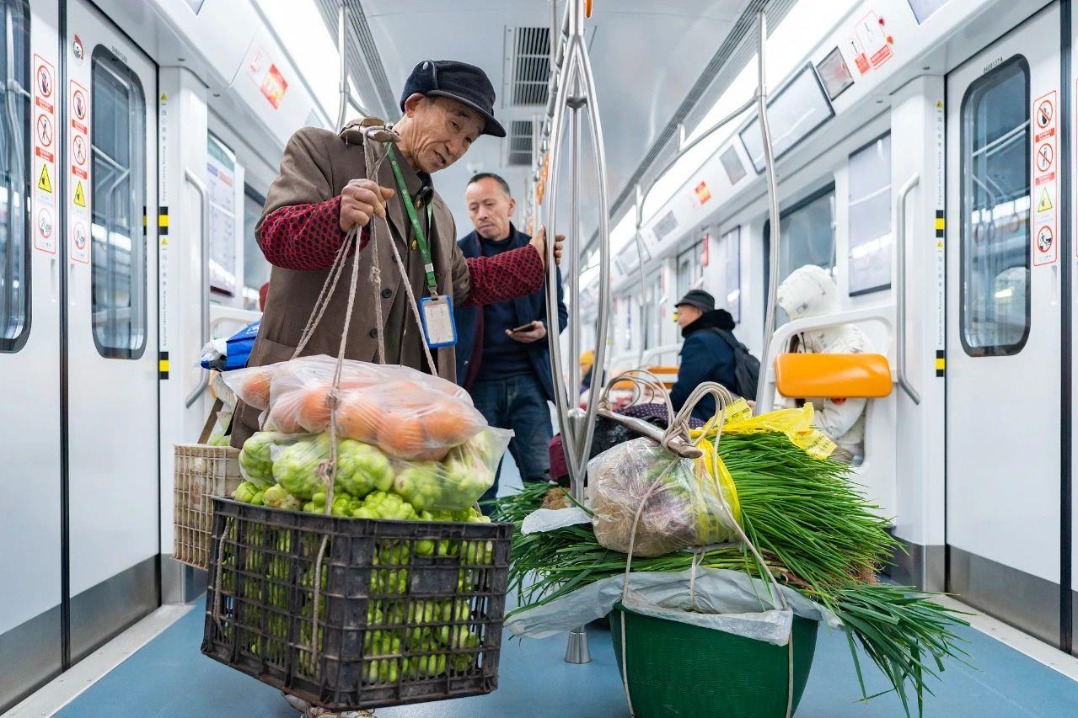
575	103
577	427
773	204
342	24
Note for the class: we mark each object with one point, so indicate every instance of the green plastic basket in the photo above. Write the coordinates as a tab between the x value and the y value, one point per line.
680	670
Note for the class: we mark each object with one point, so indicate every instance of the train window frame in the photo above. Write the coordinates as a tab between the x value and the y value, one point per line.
854	289
729	254
827	189
975	91
16	322
250	242
104	60
751	128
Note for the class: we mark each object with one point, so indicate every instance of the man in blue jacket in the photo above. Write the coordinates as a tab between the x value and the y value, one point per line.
503	357
705	355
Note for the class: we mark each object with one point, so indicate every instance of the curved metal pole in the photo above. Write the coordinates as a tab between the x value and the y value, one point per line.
639	209
773	203
342	21
900	322
588	80
575	103
550	198
577	428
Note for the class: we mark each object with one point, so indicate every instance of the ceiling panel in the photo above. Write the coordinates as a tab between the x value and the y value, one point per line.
637	95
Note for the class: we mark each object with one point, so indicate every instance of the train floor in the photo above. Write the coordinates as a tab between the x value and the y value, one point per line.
163	674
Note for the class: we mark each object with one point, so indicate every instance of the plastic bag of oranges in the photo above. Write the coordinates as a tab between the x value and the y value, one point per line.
409	415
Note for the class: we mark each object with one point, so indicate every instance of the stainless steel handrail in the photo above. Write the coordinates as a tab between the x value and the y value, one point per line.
772	201
204	277
900	322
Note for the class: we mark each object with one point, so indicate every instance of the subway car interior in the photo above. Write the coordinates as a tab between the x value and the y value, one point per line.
913	158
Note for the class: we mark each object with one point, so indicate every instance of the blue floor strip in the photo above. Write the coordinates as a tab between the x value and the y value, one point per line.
169	677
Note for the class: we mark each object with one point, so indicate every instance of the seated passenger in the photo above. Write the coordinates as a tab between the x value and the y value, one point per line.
587	363
810	292
707	354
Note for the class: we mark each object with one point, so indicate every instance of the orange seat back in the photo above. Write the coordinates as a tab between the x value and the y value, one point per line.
833	376
666	374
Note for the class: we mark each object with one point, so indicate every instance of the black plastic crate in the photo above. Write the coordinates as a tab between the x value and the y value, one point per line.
409	611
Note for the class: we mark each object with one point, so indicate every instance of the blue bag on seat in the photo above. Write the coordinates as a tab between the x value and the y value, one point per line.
239	347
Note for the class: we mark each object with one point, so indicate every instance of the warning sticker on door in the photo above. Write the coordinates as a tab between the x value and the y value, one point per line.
1042	198
79	176
44	154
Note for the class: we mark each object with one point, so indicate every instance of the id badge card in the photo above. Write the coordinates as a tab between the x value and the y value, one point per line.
439	328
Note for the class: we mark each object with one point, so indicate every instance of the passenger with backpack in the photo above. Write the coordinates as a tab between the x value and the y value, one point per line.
711	352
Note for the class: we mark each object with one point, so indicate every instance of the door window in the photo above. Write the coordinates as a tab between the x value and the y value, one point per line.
870	217
995	244
806	236
687	272
14	175
117	205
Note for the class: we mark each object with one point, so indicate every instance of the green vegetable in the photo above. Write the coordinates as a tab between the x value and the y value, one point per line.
816	534
362	468
245	492
298	466
278	497
256	463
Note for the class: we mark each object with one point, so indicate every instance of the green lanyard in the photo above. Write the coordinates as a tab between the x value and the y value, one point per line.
420	238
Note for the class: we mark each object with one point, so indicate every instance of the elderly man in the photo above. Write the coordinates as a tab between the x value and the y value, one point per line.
504	356
323	190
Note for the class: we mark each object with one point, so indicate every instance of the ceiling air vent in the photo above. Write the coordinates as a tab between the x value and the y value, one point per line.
529	65
665	226
520	143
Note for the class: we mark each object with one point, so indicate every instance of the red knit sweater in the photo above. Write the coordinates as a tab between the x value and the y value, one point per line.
307	237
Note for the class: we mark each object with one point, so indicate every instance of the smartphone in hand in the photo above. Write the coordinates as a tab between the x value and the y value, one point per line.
524	328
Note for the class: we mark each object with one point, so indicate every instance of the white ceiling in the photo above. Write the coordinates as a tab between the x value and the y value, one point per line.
645	55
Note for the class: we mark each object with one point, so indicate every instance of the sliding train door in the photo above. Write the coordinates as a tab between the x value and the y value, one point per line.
1003	367
30	476
110	165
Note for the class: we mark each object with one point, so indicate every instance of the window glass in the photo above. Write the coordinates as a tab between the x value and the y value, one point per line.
806	236
14	176
256	270
687	270
117	204
729	251
995	245
870	217
796	110
221	185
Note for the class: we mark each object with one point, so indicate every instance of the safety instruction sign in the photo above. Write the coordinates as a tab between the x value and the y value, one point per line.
44	124
870	43
1043	200
79	180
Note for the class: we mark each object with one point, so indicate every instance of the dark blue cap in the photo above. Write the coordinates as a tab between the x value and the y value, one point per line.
467	84
698	298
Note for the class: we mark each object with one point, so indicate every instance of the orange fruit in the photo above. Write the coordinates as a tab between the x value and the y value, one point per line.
314	409
358	416
255	386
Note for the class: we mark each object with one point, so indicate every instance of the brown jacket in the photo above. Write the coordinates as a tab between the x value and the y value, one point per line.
316	166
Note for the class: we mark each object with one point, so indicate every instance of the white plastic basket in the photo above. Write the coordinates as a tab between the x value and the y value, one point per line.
201	472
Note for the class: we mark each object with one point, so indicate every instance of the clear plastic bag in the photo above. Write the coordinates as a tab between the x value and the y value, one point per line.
294	466
684	503
410	415
456	482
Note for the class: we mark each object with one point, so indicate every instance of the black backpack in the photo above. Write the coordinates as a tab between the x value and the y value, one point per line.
746	366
